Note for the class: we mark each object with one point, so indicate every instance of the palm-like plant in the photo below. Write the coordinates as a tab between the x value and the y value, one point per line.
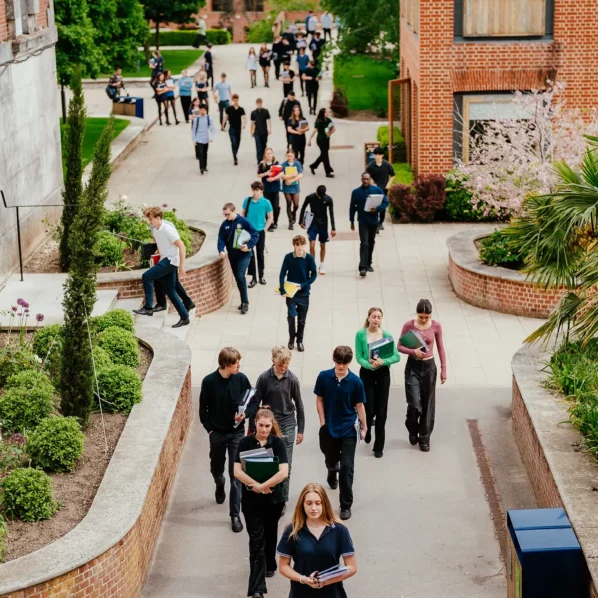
558	235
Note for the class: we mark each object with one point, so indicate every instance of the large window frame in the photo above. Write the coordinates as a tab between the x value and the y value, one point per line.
459	35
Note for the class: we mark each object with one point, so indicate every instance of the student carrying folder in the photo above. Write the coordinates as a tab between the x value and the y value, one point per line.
262	499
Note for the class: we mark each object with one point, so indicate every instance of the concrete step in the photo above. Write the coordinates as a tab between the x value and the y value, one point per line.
185	333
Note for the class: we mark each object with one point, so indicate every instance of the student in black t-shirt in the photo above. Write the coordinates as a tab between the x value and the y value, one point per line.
277	54
288	79
382	174
297	128
262	503
285	110
312	76
235	116
209	62
261	127
315	45
324	127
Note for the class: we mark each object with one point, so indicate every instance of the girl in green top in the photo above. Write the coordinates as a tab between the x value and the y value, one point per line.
375	375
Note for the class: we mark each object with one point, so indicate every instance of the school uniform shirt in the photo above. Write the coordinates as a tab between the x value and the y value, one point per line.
301	270
316	46
286	108
265	58
326	21
287	87
202	89
310	554
277	51
160	86
165	237
314	73
185	86
169	95
269	186
235	117
258	212
358	199
202	129
295	126
340	400
322	127
302	62
381	174
249	499
157	65
208	58
319	207
293	187
226	236
260	116
223	91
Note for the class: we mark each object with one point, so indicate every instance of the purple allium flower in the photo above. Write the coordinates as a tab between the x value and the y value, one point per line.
39	317
25	304
132	214
20	301
18	439
164	205
26	310
14	308
19	313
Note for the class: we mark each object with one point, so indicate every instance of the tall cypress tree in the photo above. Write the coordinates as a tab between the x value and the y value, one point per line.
73	140
77	383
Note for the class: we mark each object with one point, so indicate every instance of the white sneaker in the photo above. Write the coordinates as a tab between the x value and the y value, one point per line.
322	269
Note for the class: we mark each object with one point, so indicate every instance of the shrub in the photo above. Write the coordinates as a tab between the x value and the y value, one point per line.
30	379
110	250
116	317
459	206
13	361
260	32
495	250
339	104
101	358
182	228
399	149
120	387
121	345
56	444
420	202
23	408
27	494
11	455
3	534
44	338
185	37
219	37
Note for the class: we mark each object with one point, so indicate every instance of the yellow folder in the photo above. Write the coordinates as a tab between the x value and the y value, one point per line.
291	289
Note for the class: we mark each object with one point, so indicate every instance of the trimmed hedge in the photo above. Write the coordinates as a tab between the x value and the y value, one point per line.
46	337
399	150
120	387
15	361
22	408
56	444
185	37
27	494
120	318
121	345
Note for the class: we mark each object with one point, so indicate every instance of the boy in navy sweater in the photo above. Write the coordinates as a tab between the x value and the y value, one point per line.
368	221
240	256
298	267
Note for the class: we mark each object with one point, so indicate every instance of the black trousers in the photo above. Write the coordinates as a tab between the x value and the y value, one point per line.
328	32
339	455
377	386
178	289
220	445
274	198
261	522
298	144
367	240
302	82
420	391
323	158
277	64
235	140
261	143
382	216
297	316
312	96
186	104
201	153
259	256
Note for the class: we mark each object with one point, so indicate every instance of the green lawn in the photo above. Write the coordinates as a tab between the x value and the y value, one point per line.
174	60
365	80
93	130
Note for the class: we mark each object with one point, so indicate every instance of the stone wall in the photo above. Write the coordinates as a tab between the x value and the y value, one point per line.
30	152
495	288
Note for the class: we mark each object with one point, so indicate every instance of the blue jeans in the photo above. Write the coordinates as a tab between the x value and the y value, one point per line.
235	140
165	272
239	266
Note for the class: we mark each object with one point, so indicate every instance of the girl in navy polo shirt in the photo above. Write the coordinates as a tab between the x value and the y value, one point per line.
315	541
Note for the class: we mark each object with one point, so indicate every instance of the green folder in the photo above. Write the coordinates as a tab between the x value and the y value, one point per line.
383	349
262	471
413	340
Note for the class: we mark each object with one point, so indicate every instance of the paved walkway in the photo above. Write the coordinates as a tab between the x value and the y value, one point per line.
421	522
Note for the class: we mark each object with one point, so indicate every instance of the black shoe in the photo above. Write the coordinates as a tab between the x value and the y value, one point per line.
202	171
274	226
190	306
168	123
345	514
413	439
290	226
330	176
144	311
236	162
424	447
270	573
291	344
378	454
368	436
240	307
159	308
362	273
332	480
370	269
313	170
300	346
244	308
178	121
381	227
252	283
257	595
236	524
220	494
181	322
262	281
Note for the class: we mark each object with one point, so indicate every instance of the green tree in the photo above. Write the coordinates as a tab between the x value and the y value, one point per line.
120	29
76	44
73	140
77	379
170	11
367	26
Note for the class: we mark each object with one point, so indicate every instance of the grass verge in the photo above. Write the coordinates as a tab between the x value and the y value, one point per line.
174	60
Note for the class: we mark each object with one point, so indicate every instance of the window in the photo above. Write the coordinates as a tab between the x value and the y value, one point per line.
222	5
254	5
500	19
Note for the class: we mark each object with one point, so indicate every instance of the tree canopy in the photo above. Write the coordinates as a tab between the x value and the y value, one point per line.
170	11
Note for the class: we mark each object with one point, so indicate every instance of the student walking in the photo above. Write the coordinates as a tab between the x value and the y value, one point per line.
324	128
302	64
315	541
292	173
235	116
287	76
172	261
284	112
252	62
262	506
315	46
261	127
116	84
279	388
382	174
209	62
311	23
265	59
367	221
222	95
375	375
156	63
297	127
339	395
272	185
202	87
420	375
159	85
193	110
185	85
320	204
326	20
202	134
169	97
201	38
160	290
238	256
298	267
277	54
221	393
312	77
258	211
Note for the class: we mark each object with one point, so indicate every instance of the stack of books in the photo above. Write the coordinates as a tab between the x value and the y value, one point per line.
332	573
413	340
381	349
243	406
260	465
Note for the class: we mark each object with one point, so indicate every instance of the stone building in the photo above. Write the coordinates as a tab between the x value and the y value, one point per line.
462	59
30	154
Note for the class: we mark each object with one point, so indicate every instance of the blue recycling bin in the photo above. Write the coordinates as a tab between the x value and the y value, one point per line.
544	558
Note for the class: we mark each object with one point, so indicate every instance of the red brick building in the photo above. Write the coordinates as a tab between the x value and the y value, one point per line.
462	58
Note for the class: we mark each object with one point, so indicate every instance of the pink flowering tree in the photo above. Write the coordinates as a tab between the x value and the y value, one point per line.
512	159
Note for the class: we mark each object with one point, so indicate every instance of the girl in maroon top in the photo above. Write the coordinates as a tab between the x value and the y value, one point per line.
420	375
